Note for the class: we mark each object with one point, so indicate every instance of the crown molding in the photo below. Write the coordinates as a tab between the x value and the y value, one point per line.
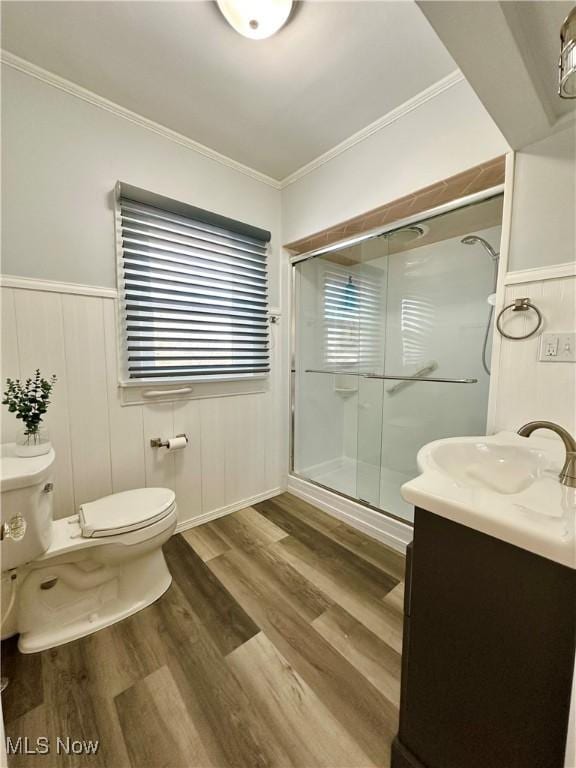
390	117
22	65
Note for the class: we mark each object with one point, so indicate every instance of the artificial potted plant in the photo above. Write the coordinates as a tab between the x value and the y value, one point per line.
29	400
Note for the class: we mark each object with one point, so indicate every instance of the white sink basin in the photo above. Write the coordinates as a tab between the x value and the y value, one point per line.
481	464
503	485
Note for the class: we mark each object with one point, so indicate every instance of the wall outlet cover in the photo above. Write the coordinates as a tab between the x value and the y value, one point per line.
558	348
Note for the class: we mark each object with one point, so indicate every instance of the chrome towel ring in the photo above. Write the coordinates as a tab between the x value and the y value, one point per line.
519	305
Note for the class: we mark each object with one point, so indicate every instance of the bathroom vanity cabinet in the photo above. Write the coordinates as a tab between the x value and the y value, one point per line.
488	654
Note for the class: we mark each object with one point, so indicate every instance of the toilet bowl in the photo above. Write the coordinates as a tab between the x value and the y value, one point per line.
64	579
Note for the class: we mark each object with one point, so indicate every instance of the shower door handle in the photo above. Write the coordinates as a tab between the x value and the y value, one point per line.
391	378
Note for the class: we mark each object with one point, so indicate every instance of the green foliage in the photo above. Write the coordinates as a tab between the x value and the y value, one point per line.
29	400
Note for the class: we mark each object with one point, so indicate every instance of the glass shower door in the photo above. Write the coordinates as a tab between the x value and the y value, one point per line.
340	330
389	340
325	373
373	273
436	318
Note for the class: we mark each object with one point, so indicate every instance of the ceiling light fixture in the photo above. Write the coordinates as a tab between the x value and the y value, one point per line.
256	19
567	85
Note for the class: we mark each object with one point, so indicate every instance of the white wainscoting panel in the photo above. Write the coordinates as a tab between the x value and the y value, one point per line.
245	450
87	396
159	463
39	319
236	442
10	359
188	462
528	389
212	430
126	424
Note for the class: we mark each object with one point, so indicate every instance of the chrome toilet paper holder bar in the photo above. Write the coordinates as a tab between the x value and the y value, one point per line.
157	442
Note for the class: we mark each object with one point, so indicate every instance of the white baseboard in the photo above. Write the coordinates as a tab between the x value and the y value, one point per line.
389	531
205	517
393	533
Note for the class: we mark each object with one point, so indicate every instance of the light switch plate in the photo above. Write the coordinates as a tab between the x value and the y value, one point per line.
558	348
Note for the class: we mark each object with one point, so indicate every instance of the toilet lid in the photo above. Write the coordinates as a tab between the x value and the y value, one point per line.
125	511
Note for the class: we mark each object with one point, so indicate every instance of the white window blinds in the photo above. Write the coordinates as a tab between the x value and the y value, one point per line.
195	299
352	313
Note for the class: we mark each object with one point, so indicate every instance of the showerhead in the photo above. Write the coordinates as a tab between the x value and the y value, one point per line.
415	230
473	239
406	235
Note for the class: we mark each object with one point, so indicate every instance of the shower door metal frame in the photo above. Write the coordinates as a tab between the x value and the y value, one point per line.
431	213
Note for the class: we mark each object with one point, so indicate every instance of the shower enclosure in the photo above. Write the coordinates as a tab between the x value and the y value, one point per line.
388	349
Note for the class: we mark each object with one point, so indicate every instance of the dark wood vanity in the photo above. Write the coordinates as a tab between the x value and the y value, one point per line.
488	655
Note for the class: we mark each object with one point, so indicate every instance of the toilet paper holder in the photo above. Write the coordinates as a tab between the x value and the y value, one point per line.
157	442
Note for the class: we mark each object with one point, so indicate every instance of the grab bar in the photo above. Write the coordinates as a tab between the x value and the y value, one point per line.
167	392
432	366
392	378
424	378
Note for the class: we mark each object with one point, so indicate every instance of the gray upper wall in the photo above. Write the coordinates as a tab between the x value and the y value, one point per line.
61	158
544	203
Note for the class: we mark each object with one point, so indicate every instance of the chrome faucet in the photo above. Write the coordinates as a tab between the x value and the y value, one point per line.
568	472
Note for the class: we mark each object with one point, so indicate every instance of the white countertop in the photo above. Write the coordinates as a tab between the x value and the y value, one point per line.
503	485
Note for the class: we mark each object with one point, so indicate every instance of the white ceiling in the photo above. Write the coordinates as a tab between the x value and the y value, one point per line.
273	105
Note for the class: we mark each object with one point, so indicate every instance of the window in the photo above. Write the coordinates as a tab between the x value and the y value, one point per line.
194	290
352	312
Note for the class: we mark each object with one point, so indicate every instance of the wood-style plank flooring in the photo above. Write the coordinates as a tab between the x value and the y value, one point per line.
278	644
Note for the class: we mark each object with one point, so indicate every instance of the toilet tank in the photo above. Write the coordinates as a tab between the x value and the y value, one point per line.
26	487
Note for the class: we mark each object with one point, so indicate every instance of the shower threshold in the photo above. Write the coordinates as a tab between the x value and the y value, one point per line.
378	487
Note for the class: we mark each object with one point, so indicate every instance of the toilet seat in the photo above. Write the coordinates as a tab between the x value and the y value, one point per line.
126	511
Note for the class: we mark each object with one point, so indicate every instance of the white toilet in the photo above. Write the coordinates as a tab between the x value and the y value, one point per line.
63	579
